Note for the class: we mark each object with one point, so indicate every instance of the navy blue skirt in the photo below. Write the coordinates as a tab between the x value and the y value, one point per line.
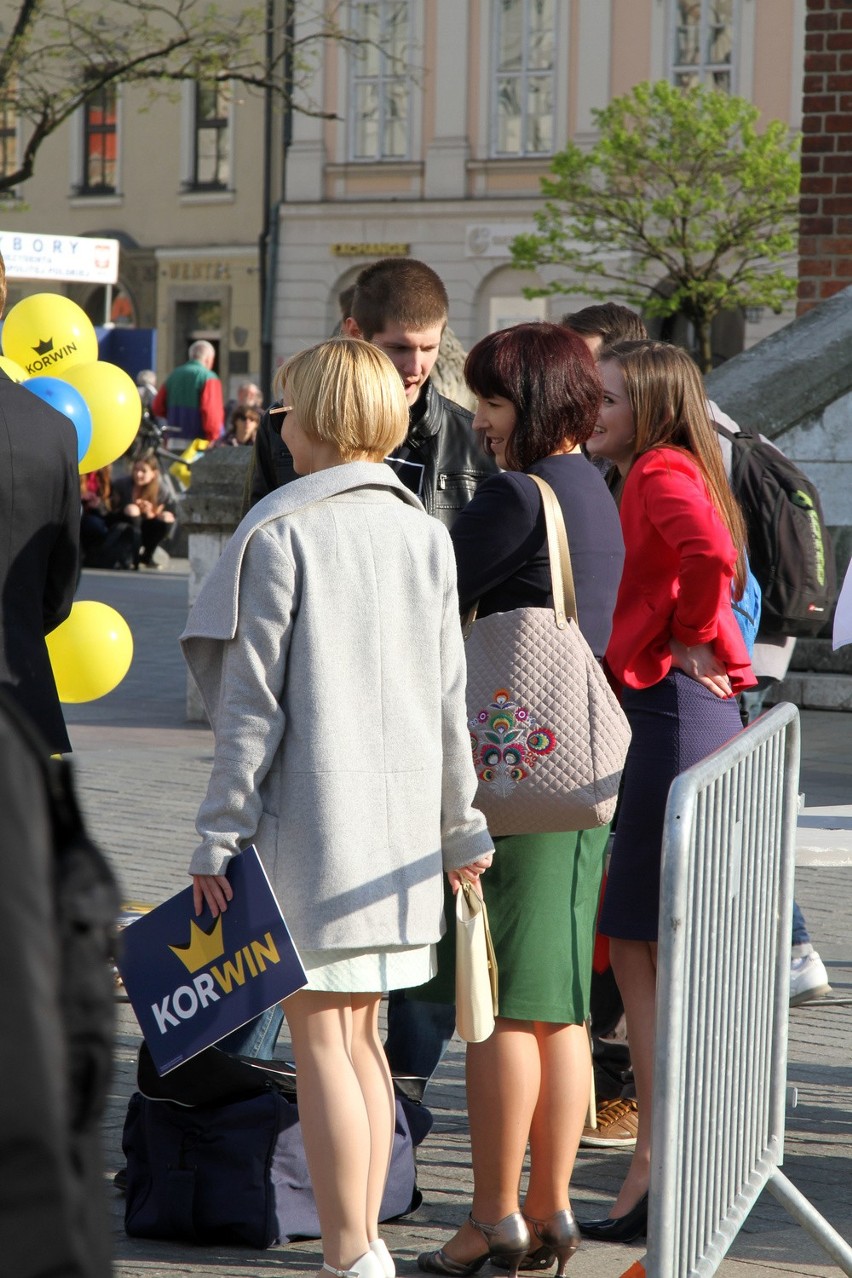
675	723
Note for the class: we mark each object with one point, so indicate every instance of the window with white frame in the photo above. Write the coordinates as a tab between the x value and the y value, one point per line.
524	67
211	152
380	83
703	43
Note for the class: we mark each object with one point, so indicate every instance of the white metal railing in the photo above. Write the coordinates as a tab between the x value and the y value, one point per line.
726	900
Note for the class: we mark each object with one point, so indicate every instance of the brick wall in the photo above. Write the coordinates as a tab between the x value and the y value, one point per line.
825	206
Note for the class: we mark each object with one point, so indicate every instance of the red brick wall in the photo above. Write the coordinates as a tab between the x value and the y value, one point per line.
825	205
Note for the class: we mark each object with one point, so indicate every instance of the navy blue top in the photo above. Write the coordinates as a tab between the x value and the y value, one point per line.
501	544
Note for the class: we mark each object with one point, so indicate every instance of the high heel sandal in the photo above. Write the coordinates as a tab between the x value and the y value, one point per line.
558	1236
508	1242
633	1224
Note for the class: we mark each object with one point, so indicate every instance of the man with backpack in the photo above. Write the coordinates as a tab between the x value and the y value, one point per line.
792	557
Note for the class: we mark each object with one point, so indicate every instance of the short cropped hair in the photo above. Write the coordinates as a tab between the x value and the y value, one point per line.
398	291
202	347
609	321
549	376
2	284
348	394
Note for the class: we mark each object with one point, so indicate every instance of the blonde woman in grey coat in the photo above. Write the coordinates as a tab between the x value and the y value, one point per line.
327	648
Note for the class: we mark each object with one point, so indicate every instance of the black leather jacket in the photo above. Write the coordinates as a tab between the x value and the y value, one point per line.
440	459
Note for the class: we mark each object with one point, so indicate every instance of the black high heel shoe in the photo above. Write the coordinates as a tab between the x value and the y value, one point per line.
508	1242
633	1224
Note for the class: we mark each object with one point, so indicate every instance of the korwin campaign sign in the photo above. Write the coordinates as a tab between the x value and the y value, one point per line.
193	980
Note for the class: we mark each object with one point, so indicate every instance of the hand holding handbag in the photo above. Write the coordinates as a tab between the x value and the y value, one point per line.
548	735
476	967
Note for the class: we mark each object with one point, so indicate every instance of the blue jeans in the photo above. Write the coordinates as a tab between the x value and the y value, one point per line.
800	931
418	1035
751	702
257	1038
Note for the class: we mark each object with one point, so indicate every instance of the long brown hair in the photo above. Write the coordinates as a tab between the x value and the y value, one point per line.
151	490
669	406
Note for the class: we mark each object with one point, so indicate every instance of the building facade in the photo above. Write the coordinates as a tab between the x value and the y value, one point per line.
176	179
444	163
430	141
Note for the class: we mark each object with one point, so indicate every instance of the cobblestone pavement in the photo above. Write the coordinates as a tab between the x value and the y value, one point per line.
141	771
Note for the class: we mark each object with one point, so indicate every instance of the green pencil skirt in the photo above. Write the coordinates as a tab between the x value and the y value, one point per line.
542	895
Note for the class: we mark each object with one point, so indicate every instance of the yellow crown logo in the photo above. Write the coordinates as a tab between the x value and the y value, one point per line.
203	946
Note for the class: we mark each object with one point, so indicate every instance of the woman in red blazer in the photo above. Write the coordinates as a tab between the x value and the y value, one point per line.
677	651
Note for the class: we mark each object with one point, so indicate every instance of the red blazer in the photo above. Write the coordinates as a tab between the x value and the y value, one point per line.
678	568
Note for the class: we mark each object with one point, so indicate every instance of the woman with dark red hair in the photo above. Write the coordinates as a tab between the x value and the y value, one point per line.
539	396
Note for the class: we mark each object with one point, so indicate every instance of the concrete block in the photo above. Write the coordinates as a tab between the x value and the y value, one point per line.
811	691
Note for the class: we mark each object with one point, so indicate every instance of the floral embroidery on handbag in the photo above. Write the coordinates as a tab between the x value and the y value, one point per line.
506	742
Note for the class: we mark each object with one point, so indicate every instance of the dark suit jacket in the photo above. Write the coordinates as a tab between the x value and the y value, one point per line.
39	547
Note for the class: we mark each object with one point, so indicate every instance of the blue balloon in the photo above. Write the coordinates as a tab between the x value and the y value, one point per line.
65	399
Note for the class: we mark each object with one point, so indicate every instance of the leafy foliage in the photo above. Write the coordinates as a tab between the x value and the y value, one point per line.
681	189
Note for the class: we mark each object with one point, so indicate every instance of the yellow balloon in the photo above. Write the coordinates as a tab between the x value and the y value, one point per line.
90	652
13	370
47	334
116	409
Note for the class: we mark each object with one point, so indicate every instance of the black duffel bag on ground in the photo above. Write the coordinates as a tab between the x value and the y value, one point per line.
215	1155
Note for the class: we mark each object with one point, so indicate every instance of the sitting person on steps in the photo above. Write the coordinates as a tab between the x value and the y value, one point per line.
144	500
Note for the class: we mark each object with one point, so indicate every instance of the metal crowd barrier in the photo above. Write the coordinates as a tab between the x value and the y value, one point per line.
726	901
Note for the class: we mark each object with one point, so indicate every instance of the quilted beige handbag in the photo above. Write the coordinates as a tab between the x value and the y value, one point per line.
548	735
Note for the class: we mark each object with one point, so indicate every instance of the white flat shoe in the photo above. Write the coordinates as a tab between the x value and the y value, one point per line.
379	1248
366	1266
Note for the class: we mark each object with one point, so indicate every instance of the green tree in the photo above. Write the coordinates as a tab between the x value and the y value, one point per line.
57	54
683	202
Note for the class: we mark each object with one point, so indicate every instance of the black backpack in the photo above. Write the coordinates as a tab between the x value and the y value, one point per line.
789	548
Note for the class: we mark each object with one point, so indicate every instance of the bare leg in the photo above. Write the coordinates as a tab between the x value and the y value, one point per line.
634	964
503	1082
560	1113
335	1116
370	1063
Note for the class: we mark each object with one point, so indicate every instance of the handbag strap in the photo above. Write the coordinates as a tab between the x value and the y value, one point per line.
561	572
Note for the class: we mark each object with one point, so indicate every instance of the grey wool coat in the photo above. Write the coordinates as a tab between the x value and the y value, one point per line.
327	648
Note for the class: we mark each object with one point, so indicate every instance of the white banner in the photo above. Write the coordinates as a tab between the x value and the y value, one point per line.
59	257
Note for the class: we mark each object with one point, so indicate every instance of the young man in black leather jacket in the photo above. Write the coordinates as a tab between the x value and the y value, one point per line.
400	305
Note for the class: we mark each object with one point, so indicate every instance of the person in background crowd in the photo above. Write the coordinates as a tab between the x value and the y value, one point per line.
248	395
190	399
143	500
243	428
355	842
401	305
678	653
39	546
605	325
538	400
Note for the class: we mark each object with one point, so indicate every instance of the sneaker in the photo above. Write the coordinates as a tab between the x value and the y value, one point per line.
808	979
618	1123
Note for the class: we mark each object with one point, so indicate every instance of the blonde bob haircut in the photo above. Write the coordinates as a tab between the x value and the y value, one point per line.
347	394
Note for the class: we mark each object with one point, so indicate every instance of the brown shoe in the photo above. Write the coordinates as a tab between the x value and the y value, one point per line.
618	1122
